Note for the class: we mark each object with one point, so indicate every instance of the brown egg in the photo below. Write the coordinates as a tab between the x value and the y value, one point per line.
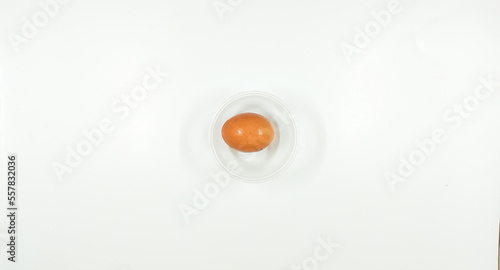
248	132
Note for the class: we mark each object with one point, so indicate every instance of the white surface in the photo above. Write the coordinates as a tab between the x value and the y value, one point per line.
119	208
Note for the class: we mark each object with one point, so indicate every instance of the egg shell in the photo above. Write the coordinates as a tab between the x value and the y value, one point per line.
248	132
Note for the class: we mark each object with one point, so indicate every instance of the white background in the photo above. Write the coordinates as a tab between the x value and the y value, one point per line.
119	208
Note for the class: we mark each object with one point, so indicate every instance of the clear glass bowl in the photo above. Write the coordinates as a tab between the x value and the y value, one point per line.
269	162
